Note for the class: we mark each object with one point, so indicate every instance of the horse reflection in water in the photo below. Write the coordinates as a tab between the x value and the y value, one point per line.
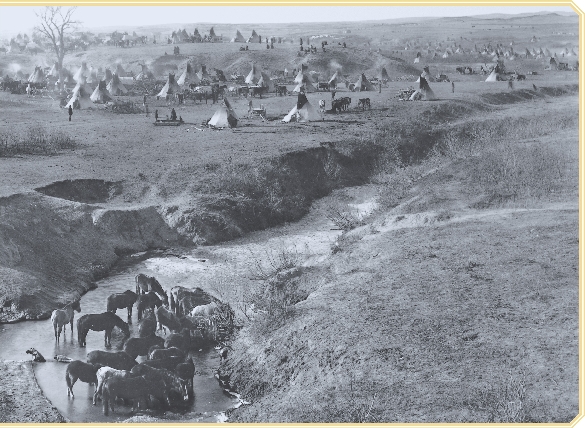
61	317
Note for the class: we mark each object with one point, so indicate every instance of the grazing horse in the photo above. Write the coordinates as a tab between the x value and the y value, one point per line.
100	322
116	360
147	327
159	354
146	301
136	346
171	380
169	363
120	301
133	388
166	318
144	284
104	373
85	372
60	318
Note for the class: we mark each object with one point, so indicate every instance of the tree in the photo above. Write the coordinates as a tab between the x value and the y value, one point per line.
55	23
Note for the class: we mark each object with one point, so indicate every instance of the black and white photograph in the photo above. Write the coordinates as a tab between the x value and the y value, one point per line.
289	214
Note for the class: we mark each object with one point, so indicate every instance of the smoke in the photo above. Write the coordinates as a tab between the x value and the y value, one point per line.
14	67
335	65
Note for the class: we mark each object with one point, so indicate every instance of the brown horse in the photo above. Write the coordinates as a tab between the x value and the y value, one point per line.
186	371
136	346
146	301
169	363
161	353
135	388
171	380
100	322
116	360
61	317
166	318
180	340
85	372
120	301
144	284
147	327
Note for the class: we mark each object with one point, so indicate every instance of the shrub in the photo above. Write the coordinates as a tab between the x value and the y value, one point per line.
36	140
343	216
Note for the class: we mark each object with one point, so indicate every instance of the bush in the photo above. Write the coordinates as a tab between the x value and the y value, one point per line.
343	216
35	141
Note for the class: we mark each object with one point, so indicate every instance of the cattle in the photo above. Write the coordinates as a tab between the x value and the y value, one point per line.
364	102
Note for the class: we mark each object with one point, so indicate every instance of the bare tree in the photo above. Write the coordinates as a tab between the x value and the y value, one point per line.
55	23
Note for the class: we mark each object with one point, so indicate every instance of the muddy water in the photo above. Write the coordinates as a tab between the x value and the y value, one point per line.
214	268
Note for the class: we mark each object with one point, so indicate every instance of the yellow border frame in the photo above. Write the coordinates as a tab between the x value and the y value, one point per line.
581	346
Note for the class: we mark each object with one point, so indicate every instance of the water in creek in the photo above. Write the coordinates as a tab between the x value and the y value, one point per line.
213	268
210	400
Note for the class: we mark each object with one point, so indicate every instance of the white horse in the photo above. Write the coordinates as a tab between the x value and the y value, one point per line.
60	318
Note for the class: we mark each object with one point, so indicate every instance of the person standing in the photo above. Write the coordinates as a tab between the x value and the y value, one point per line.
146	108
332	95
453	87
156	115
173	114
70	113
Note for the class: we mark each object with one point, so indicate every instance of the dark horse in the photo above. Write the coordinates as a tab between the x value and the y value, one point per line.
61	317
116	360
100	322
144	284
146	301
171	380
134	388
85	372
136	346
121	301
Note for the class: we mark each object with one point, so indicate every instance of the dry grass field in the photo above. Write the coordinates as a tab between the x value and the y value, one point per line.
452	298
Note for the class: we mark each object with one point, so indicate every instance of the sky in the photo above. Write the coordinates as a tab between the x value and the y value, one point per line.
14	19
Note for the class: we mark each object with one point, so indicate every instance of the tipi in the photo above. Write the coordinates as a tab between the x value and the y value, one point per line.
100	94
333	81
224	117
303	111
363	84
82	71
254	75
188	76
305	85
239	38
203	74
266	82
115	87
170	88
37	76
145	73
255	38
425	91
384	75
80	98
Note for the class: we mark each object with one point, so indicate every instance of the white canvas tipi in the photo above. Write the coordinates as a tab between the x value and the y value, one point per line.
303	111
100	94
254	75
170	88
224	116
115	87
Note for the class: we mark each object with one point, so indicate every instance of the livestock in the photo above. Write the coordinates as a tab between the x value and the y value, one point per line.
133	388
204	310
345	102
104	373
197	296
116	360
166	318
281	90
186	304
146	301
120	301
179	340
159	354
144	284
136	346
322	106
85	372
171	380
460	70
100	322
186	371
364	102
169	363
258	90
336	106
147	327
61	317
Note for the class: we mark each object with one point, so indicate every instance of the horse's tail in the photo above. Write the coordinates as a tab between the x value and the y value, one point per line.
173	304
105	397
139	309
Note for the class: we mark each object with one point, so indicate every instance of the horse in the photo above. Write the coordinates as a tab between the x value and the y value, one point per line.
364	102
159	354
120	301
205	310
149	300
144	284
179	340
85	372
100	322
169	363
133	388
136	346
116	360
104	373
147	327
172	381
186	371
60	318
166	318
